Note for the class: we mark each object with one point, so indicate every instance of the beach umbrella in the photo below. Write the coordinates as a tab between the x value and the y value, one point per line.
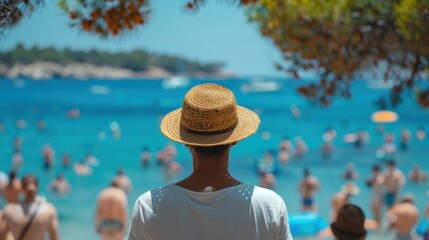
384	117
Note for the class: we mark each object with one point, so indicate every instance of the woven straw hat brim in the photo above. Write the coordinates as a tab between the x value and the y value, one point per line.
247	124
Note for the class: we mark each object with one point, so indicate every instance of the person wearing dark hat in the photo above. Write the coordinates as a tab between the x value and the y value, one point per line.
210	204
349	224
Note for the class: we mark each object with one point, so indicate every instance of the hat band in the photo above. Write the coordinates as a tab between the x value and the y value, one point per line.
355	235
209	132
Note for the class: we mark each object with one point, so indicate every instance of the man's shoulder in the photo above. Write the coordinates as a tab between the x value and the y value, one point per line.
160	191
10	208
264	194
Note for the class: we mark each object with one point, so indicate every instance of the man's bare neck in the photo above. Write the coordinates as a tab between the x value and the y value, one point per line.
209	174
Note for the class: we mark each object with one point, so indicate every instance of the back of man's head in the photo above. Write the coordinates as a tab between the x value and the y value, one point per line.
349	224
212	151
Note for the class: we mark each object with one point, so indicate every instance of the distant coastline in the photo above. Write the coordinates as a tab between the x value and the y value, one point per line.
48	63
48	70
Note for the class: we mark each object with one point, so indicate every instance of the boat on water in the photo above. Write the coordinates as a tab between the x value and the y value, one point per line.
18	82
175	82
99	90
261	86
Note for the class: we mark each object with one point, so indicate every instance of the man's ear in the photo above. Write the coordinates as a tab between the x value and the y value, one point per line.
191	149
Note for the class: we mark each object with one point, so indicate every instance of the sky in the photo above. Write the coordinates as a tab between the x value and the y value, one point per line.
218	32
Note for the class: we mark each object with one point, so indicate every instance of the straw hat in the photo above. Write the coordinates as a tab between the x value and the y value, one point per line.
351	189
349	223
209	116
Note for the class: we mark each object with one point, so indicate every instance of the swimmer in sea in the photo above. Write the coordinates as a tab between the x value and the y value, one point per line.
421	133
403	217
350	173
376	182
82	168
394	180
48	156
307	186
111	214
268	181
1	126
91	159
17	160
17	143
405	138
417	175
60	185
123	181
41	124
66	160
285	150
300	148
145	156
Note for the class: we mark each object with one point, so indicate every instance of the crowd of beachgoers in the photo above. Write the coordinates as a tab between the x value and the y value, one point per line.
21	203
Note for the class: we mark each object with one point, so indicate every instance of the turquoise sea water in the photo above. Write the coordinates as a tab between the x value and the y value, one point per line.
138	106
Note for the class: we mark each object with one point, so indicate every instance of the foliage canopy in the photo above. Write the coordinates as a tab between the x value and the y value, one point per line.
343	40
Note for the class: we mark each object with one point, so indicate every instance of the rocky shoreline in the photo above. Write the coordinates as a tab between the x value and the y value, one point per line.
50	70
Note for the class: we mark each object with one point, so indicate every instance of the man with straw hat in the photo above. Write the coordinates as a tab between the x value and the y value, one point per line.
210	203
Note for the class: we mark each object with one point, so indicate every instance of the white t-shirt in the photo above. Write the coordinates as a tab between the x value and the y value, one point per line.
238	212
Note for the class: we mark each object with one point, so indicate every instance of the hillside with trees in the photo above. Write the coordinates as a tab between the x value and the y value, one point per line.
137	60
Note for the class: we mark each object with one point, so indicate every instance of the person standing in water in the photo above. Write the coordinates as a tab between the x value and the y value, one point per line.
30	219
307	186
60	185
12	190
350	174
343	197
394	180
417	175
376	183
421	133
123	181
145	156
111	214
209	204
48	156
402	218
